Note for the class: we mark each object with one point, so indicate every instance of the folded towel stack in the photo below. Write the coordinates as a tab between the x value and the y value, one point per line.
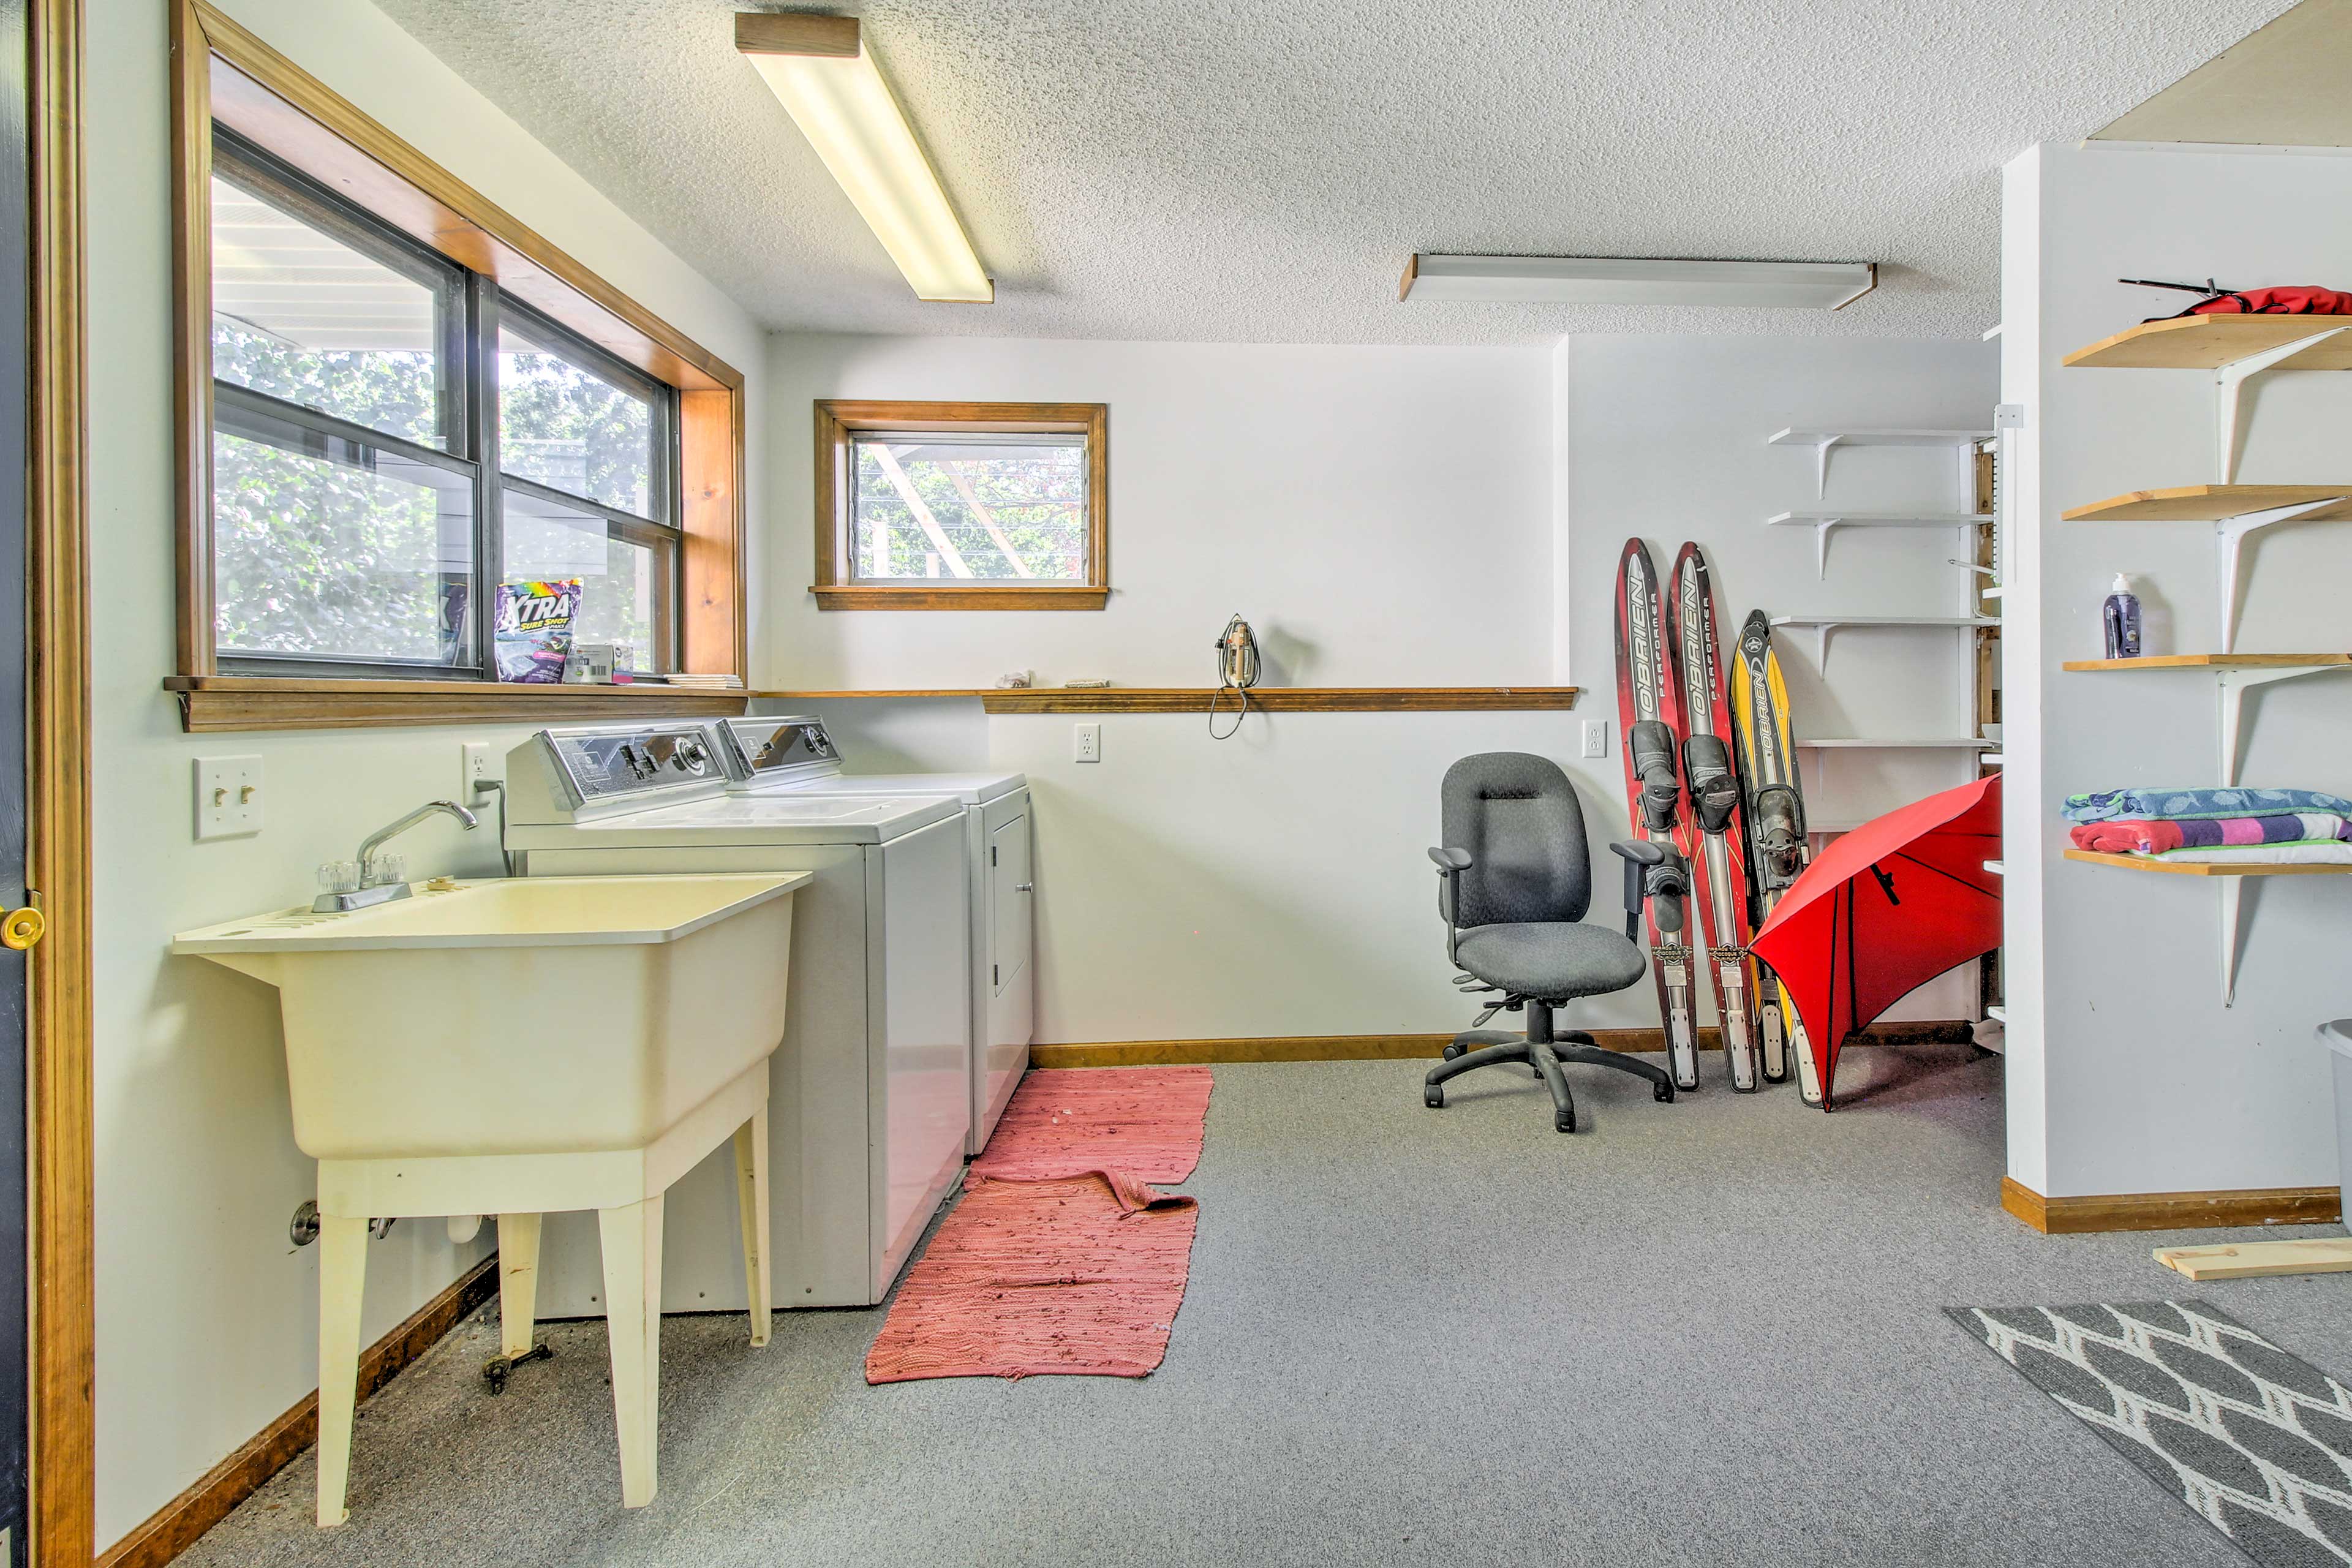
2215	825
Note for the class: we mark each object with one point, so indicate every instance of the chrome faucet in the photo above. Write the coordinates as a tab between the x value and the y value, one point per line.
372	889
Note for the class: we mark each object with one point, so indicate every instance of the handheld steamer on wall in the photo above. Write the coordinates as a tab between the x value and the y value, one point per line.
1236	672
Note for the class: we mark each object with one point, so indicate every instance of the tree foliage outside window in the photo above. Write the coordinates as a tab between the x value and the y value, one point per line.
571	430
320	558
1012	508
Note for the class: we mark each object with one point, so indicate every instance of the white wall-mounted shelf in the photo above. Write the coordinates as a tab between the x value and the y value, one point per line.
1823	625
1906	744
1824	523
2235	349
1998	867
1824	442
2233	674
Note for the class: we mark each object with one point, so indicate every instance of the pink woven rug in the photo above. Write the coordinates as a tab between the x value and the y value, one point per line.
1061	1257
1145	1121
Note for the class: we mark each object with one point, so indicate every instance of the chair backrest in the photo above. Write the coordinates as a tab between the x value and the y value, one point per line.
1518	818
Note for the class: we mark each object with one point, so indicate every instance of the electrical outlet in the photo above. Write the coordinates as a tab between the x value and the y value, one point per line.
475	769
1596	737
1086	743
228	796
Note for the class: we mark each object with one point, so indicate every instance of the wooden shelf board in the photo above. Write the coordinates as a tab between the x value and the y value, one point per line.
2259	1260
2210	503
1910	743
2203	868
2209	342
1278	698
919	693
225	702
2215	661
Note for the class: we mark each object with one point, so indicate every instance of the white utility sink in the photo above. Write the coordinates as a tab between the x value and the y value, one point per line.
526	1014
519	1046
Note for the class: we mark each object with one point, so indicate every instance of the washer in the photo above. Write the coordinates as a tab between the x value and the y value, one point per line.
794	754
870	1109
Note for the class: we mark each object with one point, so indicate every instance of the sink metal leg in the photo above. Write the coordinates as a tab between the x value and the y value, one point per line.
631	1238
518	1282
342	1286
751	1210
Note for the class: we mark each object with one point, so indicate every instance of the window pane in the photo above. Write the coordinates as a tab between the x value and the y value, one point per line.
937	505
300	315
365	559
570	430
621	583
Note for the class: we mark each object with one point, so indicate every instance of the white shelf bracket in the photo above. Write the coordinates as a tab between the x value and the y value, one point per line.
2229	383
2229	537
1822	532
1822	450
2233	685
2234	894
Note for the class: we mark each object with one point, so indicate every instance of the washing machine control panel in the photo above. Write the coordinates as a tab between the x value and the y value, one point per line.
761	749
600	765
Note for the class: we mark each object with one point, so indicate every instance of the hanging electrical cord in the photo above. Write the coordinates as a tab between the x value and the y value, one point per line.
1236	672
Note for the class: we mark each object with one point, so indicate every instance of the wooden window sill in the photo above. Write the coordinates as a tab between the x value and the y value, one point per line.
1036	596
1278	698
220	703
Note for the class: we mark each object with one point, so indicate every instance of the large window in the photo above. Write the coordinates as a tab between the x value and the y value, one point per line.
962	506
408	424
355	524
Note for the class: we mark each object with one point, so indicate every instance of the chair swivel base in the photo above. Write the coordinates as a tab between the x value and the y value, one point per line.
1542	1053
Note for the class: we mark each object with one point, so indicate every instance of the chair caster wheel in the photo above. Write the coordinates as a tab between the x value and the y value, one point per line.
1450	1052
1563	1123
1665	1091
1433	1097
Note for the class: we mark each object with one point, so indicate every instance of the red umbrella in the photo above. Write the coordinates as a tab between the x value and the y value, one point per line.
1882	910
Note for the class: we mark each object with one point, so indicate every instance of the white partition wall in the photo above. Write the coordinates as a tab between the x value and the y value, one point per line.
2127	1071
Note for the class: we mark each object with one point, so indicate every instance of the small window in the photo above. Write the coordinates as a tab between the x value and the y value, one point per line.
962	506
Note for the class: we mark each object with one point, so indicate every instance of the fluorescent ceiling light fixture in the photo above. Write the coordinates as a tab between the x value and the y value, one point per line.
827	79
1637	280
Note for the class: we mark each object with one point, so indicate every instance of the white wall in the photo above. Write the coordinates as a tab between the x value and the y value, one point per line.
206	1318
1417	517
2127	1073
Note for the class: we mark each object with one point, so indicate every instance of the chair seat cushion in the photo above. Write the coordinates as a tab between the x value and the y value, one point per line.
1552	959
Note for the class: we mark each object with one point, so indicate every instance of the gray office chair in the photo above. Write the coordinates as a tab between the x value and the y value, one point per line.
1514	884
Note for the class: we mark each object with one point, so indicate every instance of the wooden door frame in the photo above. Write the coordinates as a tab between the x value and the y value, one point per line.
62	1503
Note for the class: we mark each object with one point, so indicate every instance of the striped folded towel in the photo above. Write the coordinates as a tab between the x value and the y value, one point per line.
2156	837
2314	852
2184	804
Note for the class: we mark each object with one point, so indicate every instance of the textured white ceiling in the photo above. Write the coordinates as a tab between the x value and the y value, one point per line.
1258	170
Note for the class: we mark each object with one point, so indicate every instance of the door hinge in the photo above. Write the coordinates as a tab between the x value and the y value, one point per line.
992	979
991	853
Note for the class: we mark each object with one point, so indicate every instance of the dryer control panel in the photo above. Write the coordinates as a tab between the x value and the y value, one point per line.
760	752
570	774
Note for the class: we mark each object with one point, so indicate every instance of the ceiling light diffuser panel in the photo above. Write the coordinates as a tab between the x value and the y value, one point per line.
825	76
1637	280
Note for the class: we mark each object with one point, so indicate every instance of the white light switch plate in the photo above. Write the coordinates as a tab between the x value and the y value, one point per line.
1086	743
228	796
1596	737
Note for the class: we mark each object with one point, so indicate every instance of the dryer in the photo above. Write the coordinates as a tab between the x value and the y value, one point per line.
794	754
870	1107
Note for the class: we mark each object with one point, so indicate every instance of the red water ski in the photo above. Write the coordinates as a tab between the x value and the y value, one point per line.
1711	784
1649	709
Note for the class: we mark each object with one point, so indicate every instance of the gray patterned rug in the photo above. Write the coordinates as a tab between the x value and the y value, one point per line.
2256	1440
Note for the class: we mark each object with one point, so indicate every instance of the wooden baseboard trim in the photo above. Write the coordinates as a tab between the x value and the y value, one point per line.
176	1526
1404	1048
2170	1211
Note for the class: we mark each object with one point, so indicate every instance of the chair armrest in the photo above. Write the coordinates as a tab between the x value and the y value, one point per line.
1451	864
1654	870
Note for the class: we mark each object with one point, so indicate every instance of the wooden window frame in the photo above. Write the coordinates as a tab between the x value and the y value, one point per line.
223	72
837	422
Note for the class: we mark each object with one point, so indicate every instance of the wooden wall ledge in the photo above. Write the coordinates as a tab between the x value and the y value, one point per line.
223	703
1278	698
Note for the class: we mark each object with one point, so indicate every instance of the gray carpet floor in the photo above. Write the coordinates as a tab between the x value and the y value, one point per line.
1709	1332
